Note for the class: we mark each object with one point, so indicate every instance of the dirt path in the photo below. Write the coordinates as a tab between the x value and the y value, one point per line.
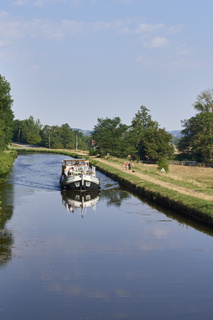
164	184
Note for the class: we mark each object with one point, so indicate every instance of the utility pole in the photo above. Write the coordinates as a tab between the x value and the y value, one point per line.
76	142
49	140
19	134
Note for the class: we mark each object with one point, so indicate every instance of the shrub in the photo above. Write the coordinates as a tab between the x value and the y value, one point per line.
163	164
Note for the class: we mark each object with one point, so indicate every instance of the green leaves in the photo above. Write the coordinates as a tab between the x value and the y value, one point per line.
143	139
112	137
6	114
151	142
197	139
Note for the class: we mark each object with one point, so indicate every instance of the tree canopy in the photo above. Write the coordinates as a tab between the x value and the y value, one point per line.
6	113
151	142
143	139
197	135
31	131
111	136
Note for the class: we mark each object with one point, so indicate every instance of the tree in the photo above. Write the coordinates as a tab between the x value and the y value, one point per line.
204	102
30	131
197	135
67	136
197	139
6	114
151	142
111	137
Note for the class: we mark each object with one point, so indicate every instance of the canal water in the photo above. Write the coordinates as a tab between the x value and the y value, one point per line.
100	256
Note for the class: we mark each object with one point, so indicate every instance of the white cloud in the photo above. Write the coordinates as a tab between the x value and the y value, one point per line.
10	28
20	3
150	28
159	42
125	1
175	29
42	3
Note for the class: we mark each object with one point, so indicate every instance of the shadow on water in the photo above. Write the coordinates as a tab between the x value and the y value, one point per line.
6	212
177	216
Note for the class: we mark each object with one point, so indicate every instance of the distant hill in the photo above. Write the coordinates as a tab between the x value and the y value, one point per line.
175	133
84	132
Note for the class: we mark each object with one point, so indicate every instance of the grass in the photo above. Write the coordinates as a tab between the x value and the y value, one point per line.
6	162
189	205
192	178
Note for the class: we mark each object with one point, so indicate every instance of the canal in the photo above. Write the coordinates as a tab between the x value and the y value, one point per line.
104	256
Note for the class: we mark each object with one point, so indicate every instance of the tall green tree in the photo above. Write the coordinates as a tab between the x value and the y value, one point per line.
111	137
6	113
151	142
197	135
30	131
204	102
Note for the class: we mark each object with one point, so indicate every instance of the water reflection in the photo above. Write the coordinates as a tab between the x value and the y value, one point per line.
77	200
6	211
115	197
129	261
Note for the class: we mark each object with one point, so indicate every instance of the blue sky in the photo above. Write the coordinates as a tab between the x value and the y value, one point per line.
74	61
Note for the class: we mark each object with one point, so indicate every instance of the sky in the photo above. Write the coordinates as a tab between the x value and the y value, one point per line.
74	61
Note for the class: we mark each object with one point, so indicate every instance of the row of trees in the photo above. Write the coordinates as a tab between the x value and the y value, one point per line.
143	139
146	140
57	137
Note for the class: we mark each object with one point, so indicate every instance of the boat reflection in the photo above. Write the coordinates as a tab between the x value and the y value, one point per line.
79	201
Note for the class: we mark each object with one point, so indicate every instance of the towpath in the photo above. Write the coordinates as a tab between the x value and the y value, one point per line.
159	182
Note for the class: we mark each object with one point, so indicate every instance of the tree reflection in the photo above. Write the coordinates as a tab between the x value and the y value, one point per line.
6	211
115	197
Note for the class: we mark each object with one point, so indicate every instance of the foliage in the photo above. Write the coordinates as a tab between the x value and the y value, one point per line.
204	102
163	164
151	142
6	114
142	140
27	131
57	137
6	161
197	135
111	137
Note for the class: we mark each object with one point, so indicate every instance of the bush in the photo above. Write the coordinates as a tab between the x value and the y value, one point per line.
163	164
6	162
92	152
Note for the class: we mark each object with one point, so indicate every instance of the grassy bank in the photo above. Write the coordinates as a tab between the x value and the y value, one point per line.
190	206
6	162
187	190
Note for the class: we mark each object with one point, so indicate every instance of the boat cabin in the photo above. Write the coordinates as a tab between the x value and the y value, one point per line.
74	166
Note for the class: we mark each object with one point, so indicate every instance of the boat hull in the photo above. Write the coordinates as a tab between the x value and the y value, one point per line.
79	183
